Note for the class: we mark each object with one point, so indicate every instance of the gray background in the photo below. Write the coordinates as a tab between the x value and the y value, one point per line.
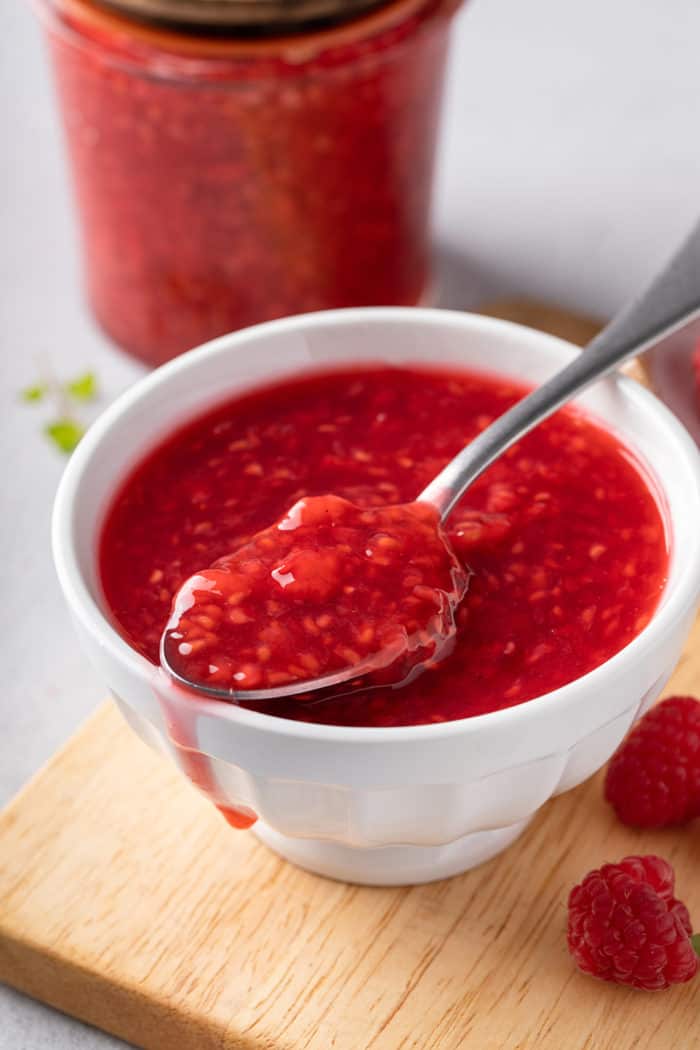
570	164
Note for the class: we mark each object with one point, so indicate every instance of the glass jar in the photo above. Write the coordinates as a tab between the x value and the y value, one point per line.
223	181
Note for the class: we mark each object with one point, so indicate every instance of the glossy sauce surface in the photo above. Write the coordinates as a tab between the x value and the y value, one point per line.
563	535
329	589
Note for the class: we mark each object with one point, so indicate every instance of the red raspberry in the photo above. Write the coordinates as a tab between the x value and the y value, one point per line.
626	926
696	372
653	779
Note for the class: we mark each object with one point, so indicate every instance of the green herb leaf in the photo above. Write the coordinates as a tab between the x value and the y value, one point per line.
65	433
695	941
34	393
84	387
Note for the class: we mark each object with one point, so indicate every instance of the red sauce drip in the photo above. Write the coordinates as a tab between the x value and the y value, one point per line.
563	535
329	588
180	719
237	818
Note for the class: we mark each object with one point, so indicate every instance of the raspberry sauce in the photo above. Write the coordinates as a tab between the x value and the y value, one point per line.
329	589
225	180
562	535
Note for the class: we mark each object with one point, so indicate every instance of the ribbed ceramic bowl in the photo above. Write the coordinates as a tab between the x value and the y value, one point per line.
391	805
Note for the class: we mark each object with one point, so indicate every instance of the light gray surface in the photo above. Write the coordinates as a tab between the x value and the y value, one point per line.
570	167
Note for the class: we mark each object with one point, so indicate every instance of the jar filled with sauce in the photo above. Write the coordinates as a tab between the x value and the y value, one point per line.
240	160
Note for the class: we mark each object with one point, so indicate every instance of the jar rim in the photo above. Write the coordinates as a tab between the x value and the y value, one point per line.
66	17
256	16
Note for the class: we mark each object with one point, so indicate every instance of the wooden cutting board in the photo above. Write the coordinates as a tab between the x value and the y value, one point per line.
127	901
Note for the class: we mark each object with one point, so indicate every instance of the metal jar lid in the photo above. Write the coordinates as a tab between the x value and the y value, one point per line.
239	15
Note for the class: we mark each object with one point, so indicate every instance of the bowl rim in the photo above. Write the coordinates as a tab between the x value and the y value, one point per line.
679	601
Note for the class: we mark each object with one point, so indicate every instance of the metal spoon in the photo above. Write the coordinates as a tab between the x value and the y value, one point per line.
670	303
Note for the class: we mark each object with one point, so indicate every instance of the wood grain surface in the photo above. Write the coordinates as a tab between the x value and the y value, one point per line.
127	901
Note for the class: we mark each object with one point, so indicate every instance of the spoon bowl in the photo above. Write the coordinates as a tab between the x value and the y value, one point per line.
354	597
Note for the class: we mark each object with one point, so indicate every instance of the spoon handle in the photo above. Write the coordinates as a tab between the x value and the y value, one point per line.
669	303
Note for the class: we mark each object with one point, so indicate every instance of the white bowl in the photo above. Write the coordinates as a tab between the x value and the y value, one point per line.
378	805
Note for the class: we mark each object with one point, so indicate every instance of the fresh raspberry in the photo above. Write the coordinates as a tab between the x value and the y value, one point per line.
626	926
696	372
653	779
